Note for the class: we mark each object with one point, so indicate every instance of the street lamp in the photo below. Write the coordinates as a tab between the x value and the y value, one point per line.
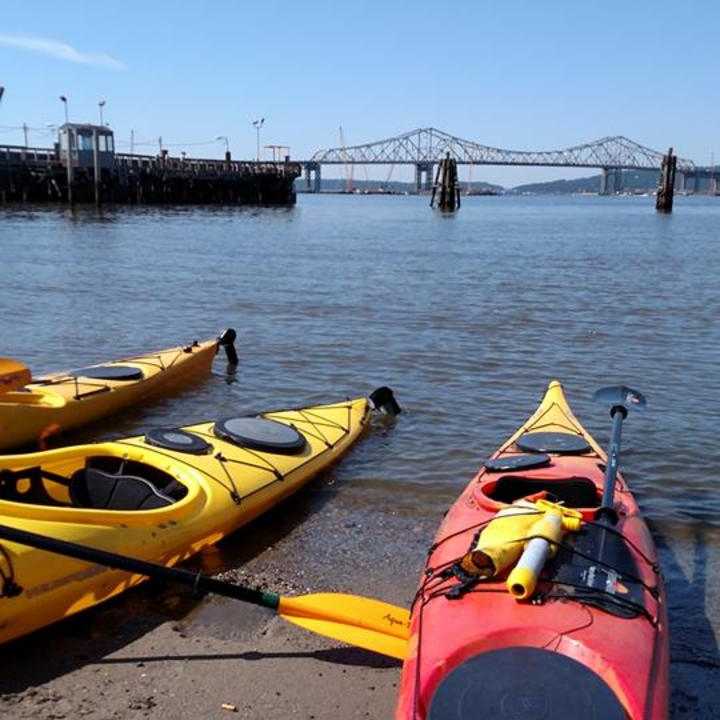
226	141
64	101
101	105
68	140
258	124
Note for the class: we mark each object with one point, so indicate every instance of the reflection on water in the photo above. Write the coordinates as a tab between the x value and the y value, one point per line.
467	318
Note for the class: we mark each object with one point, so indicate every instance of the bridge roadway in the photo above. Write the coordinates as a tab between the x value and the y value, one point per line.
424	147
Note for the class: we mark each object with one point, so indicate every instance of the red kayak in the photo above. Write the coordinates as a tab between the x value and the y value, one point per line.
588	638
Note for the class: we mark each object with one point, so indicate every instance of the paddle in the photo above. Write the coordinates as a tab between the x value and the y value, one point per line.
364	622
13	375
621	399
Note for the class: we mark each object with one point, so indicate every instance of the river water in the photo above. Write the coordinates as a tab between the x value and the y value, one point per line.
467	317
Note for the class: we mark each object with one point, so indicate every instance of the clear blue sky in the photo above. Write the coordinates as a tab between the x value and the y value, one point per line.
525	75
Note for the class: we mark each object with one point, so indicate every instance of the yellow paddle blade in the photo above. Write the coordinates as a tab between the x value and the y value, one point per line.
13	375
363	622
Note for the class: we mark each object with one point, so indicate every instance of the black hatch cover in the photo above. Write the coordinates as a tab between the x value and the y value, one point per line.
524	683
553	442
109	372
178	440
517	462
261	434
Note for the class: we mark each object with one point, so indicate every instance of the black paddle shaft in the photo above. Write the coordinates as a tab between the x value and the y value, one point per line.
607	510
200	583
621	398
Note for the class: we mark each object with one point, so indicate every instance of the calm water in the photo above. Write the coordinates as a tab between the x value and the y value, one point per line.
466	317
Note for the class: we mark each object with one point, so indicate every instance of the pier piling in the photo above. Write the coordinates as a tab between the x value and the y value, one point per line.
666	189
446	182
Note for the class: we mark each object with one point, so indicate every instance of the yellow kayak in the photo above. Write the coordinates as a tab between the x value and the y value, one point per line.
161	497
63	401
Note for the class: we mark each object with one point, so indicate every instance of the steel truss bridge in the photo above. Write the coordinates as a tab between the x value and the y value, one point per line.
424	147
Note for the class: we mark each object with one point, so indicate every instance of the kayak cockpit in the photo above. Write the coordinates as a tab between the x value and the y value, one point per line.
99	483
572	492
111	483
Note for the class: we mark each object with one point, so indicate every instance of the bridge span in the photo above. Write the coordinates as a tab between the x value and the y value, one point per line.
424	147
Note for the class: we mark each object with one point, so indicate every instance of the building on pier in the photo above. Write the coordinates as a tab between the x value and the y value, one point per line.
83	166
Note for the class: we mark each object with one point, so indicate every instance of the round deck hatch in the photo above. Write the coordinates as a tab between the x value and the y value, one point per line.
177	440
517	462
261	434
523	683
553	442
109	372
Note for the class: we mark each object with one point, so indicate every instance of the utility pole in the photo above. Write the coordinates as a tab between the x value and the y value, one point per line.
132	142
160	144
258	124
25	133
101	105
96	165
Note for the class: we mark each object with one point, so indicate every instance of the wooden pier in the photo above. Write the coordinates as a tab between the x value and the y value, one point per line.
42	175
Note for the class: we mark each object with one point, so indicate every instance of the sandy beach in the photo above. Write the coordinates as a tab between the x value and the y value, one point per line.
160	652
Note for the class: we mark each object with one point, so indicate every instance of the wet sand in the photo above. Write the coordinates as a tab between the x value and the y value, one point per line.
160	652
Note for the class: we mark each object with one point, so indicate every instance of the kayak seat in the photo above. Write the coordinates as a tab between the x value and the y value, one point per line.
574	492
113	484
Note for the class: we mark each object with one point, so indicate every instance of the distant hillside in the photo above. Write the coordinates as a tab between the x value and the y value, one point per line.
633	180
394	186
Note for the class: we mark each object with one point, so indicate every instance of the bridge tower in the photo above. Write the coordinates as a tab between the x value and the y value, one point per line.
611	176
426	182
604	181
313	177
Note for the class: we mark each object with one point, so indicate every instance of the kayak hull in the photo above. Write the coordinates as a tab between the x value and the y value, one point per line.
61	402
226	487
629	655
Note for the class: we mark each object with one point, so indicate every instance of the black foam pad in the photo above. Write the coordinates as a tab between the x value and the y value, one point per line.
553	442
109	372
524	683
178	440
261	434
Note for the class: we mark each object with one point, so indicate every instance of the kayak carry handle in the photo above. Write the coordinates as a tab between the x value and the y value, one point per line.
226	339
383	399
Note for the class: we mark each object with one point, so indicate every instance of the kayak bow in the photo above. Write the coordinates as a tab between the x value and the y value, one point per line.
591	640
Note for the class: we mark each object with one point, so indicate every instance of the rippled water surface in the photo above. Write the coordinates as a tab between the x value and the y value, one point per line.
466	317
